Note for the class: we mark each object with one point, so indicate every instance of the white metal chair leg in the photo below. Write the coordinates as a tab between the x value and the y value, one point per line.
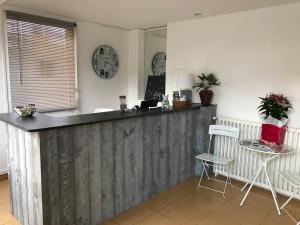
292	218
204	167
226	181
199	184
204	164
228	174
287	201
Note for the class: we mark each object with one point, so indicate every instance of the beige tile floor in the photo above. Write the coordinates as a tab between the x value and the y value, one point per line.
185	205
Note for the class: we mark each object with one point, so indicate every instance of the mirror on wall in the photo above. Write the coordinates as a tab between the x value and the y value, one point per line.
155	63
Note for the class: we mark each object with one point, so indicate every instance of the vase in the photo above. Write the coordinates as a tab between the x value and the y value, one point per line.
206	97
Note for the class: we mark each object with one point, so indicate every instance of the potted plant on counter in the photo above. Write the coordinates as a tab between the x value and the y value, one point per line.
206	82
273	111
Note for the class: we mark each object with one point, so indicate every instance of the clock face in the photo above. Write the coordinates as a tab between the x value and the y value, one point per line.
105	62
159	64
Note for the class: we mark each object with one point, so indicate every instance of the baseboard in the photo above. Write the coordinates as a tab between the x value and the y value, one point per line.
4	176
3	172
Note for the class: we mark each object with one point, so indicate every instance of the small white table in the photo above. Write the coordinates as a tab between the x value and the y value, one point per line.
264	154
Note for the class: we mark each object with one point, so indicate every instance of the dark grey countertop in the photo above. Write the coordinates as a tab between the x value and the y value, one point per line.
40	122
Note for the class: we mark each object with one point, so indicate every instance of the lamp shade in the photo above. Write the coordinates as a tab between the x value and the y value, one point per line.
185	81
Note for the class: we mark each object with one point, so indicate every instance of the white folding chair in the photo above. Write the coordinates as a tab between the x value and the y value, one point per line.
292	178
211	159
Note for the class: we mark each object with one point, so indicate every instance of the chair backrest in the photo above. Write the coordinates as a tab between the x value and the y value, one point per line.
100	110
222	130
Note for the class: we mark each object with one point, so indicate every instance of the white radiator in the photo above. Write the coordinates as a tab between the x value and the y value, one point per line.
246	164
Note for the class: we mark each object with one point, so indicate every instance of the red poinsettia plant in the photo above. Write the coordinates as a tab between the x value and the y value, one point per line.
275	105
273	109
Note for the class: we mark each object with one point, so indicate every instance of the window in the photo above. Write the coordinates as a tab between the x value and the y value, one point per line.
41	62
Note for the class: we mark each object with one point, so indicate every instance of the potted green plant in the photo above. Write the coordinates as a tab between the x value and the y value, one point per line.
273	110
206	82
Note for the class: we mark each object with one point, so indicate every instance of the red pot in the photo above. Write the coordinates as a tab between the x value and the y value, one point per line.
206	97
273	134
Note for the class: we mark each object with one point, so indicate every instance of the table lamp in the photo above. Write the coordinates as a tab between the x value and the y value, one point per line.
185	84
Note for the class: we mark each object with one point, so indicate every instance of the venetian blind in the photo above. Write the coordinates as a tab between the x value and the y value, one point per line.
41	62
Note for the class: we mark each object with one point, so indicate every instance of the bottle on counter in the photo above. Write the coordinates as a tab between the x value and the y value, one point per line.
165	102
123	103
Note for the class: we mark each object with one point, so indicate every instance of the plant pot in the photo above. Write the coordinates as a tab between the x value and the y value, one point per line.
272	134
206	97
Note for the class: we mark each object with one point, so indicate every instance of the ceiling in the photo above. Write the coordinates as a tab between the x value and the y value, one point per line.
129	14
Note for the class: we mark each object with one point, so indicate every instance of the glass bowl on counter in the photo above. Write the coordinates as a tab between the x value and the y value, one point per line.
25	111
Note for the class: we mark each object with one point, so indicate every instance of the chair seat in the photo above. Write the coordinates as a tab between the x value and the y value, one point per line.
213	158
292	177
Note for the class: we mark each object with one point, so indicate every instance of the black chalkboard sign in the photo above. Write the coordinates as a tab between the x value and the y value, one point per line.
155	87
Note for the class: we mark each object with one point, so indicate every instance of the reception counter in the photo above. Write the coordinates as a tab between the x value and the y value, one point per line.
84	169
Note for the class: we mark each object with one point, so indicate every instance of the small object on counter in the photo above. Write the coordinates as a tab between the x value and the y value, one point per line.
123	104
180	104
133	109
25	111
165	102
183	98
176	96
188	95
185	82
154	109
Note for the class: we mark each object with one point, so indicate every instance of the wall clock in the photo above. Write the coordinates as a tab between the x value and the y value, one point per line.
159	64
105	62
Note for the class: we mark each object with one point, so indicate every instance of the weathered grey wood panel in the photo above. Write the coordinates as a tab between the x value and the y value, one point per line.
50	178
119	164
155	150
94	152
81	160
164	159
173	149
189	135
133	161
147	157
107	170
85	174
183	151
25	176
66	171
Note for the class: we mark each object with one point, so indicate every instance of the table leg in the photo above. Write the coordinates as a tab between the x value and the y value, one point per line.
272	190
252	183
263	166
250	180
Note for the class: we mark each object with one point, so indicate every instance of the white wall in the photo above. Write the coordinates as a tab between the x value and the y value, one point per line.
95	92
3	103
251	52
135	67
